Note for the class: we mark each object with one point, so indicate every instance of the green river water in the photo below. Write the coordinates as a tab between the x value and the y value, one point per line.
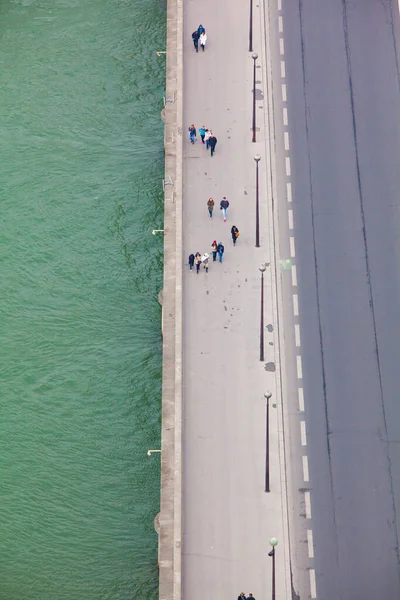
80	357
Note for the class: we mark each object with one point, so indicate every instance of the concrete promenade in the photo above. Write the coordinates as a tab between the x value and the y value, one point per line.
227	516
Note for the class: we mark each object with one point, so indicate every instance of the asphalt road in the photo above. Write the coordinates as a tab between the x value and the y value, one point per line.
343	102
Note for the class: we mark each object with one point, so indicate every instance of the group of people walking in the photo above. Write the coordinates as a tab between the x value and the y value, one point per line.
242	596
199	35
207	137
210	141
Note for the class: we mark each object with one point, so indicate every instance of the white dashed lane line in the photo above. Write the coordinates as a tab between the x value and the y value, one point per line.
299	367
286	140
284	92
301	399
289	191
283	69
295	305
303	433
306	476
297	335
312	584
290	217
307	501
294	276
310	543
288	168
281	46
285	119
280	24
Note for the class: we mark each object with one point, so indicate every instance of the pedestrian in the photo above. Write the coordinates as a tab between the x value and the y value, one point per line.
220	251
207	136
191	261
197	262
250	597
214	247
202	133
204	260
242	596
210	206
195	38
200	29
224	207
212	142
192	133
235	234
203	39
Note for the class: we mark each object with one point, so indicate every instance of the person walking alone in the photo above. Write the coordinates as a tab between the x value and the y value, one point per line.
197	262
224	207
207	136
191	261
202	133
192	133
214	247
203	39
195	38
210	206
235	234
220	251
212	142
204	260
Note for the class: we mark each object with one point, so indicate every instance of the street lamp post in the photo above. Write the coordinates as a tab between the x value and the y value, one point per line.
262	269
267	396
251	27
273	542
254	56
257	158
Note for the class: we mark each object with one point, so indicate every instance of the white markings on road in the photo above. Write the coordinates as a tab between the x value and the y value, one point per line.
280	24
281	46
283	69
312	584
307	500
310	543
289	191
294	276
288	168
301	400
290	217
297	335
279	4
299	367
284	97
286	138
292	248
285	119
305	469
303	433
295	305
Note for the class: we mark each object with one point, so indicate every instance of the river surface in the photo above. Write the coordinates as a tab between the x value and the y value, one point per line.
80	356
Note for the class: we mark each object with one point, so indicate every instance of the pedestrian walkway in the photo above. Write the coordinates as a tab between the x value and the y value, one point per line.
228	517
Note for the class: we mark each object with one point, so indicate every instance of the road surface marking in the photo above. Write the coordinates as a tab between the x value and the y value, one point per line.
303	433
312	584
284	98
297	335
281	46
285	119
288	169
295	305
299	367
286	138
307	500
301	400
280	23
305	469
310	543
279	4
290	216
283	69
289	191
292	248
294	276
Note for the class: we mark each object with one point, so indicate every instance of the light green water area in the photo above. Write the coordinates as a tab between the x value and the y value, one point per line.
80	356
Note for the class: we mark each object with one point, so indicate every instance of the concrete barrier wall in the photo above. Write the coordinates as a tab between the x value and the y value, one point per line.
170	535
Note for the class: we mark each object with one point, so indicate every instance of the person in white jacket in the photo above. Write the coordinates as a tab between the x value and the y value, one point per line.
207	136
203	39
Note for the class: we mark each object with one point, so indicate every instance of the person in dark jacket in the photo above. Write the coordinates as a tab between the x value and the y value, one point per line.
197	262
220	251
210	206
191	261
200	29
212	142
224	206
234	234
192	133
242	596
195	38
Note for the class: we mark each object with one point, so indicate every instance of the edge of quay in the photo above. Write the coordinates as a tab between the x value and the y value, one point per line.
170	535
